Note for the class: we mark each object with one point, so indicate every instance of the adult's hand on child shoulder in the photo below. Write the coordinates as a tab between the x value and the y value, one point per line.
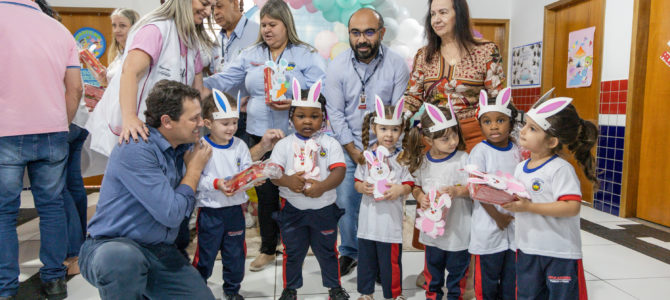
133	128
315	190
520	205
296	182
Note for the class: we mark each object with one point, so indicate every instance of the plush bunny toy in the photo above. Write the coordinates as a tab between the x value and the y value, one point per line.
431	221
380	173
305	159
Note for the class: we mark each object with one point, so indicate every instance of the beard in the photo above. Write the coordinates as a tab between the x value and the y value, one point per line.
372	52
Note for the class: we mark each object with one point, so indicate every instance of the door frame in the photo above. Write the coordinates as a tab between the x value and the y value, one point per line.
504	49
635	108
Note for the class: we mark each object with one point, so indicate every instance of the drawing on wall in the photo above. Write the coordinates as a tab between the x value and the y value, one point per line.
527	65
580	58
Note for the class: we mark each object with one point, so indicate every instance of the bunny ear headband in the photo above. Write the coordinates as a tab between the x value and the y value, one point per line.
542	110
312	98
440	122
225	110
503	99
381	119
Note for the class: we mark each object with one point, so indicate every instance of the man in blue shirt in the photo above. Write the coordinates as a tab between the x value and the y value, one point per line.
145	195
353	80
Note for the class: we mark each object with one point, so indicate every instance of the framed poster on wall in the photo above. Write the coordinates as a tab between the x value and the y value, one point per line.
527	65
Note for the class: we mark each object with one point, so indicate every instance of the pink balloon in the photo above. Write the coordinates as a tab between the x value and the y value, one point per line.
324	42
310	7
260	3
296	4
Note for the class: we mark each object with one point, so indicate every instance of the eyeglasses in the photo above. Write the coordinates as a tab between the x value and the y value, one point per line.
368	33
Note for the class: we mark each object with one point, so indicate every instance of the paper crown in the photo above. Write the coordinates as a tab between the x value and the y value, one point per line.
502	101
312	98
225	110
438	118
542	109
396	118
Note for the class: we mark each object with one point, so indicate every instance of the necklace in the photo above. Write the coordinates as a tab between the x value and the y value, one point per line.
449	56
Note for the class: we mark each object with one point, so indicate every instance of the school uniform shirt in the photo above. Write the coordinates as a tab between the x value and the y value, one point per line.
555	180
304	64
485	236
226	161
381	220
435	173
330	156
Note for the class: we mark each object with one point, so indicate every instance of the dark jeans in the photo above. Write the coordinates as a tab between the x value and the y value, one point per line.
74	193
45	156
268	203
120	268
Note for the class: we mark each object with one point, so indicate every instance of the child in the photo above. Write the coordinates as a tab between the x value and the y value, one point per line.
441	168
381	216
492	229
313	165
220	221
549	256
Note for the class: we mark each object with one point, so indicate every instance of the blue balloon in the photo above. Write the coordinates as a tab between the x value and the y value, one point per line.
364	2
323	5
332	15
344	4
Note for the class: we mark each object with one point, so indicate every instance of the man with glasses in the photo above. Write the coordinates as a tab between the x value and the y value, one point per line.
353	80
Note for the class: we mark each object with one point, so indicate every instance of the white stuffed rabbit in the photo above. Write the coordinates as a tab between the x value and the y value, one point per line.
305	159
432	221
380	173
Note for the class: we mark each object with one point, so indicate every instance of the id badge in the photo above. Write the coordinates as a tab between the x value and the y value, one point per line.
361	102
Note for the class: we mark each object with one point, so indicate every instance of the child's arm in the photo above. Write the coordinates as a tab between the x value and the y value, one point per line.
319	187
420	197
365	188
456	191
268	141
553	209
295	182
396	191
502	220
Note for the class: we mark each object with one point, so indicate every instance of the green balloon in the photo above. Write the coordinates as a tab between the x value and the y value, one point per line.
323	5
333	14
364	2
347	12
344	4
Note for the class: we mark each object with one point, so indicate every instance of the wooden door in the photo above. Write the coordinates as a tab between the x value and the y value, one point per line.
75	18
653	200
497	31
560	19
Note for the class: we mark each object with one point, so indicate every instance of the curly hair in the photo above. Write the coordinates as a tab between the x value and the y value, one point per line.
166	98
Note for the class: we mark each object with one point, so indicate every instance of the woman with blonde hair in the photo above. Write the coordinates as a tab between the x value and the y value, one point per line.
122	20
164	44
277	42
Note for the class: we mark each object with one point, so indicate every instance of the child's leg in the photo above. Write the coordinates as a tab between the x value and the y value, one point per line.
233	249
488	269
210	229
508	276
323	240
565	279
457	269
530	277
389	257
433	270
295	238
367	266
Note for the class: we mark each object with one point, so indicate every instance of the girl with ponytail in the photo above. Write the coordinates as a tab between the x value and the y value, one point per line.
549	256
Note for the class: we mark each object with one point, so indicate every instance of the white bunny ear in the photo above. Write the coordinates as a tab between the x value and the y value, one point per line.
500	105
504	97
544	97
314	92
369	157
547	109
397	113
238	100
483	98
225	110
379	107
382	152
440	122
296	89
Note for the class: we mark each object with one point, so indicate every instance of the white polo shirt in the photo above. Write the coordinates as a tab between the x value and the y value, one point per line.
226	161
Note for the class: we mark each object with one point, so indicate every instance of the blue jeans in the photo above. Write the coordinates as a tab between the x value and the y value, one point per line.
349	200
120	268
74	193
45	156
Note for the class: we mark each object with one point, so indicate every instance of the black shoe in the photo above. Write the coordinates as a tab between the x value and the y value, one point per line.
7	297
338	293
55	290
289	294
347	264
234	297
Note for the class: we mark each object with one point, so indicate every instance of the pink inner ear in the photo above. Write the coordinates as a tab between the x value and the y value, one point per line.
506	96
380	108
317	91
483	98
296	89
435	113
551	107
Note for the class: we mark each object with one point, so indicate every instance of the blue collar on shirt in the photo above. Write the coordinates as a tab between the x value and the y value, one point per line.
506	148
527	170
30	4
215	145
390	154
302	137
157	138
239	28
431	159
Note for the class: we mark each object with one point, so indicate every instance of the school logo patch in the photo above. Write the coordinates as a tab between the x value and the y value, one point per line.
559	279
537	185
239	162
235	233
322	153
328	232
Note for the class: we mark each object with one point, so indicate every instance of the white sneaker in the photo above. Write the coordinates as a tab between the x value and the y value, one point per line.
249	220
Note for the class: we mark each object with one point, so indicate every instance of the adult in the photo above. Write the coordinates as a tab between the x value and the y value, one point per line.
354	78
162	45
278	41
145	195
122	20
33	133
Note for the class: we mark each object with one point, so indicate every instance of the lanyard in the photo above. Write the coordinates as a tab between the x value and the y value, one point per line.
280	55
233	36
364	82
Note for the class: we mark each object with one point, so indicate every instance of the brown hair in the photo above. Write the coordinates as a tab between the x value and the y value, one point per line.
414	147
462	30
167	98
209	107
278	9
579	135
368	121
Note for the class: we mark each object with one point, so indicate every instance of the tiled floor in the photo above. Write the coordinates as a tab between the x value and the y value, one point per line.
613	271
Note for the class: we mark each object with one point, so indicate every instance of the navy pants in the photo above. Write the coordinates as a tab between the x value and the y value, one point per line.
455	262
544	277
221	229
120	268
301	229
383	258
495	275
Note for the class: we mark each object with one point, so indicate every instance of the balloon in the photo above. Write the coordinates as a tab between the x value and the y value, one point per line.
323	5
260	3
296	4
401	49
344	4
324	41
409	30
347	12
364	2
337	49
310	8
391	26
341	31
377	3
333	14
403	13
388	9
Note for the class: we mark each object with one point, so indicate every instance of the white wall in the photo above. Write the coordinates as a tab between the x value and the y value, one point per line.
483	9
